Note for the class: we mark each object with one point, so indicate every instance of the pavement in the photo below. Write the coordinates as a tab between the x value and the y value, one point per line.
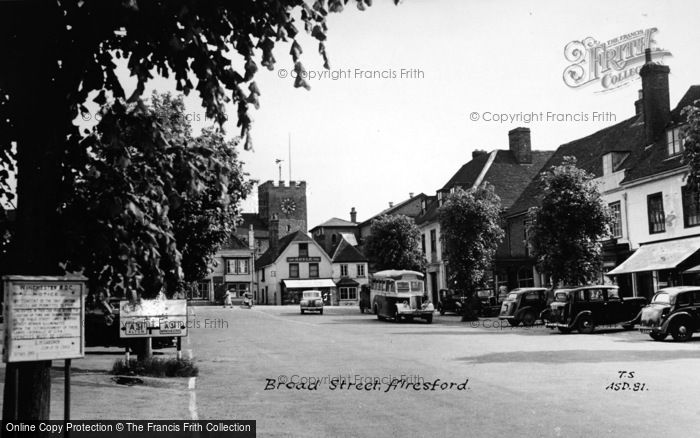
471	379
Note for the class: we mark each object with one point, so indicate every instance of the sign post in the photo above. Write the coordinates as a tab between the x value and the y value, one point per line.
44	321
152	318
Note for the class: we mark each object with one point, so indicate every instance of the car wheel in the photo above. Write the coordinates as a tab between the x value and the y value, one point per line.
529	319
302	311
397	318
585	325
658	336
513	322
681	330
320	312
429	319
376	312
564	330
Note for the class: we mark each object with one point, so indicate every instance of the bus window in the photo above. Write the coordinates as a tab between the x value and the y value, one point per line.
416	286
402	286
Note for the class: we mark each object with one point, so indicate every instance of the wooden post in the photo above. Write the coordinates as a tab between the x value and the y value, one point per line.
179	348
66	392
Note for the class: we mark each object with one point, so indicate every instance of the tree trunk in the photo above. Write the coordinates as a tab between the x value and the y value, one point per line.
40	139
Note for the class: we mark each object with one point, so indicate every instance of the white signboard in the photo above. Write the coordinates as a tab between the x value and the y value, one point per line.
43	318
149	318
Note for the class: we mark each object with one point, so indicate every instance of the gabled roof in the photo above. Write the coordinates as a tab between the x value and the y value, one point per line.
396	207
270	256
345	252
336	222
503	172
233	242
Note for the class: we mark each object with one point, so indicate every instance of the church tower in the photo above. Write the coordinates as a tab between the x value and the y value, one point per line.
282	207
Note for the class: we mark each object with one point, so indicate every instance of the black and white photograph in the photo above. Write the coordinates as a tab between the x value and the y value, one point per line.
349	218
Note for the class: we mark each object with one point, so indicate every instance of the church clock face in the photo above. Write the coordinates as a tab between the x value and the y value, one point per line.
288	206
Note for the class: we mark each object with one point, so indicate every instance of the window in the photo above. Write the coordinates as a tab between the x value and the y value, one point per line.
360	270
294	270
691	208
289	228
525	277
262	274
343	270
674	142
433	241
201	291
616	227
334	238
313	270
348	293
595	295
422	242
303	250
655	211
237	266
526	238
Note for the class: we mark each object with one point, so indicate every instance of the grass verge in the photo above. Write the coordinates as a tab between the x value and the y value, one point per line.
156	367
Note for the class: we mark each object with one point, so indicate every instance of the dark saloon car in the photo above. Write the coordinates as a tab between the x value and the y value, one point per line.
582	308
674	311
451	301
488	302
523	305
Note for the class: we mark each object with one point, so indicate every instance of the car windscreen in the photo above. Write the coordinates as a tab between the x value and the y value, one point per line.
662	298
512	297
312	294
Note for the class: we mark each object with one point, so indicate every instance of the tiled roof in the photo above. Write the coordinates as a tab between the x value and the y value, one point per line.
336	222
392	210
626	136
270	256
233	242
505	174
345	252
655	160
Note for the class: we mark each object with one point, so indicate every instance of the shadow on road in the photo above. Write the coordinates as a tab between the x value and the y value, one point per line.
581	356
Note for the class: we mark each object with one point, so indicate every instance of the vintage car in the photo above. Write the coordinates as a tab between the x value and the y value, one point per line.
311	301
102	327
673	310
524	305
489	305
451	301
584	307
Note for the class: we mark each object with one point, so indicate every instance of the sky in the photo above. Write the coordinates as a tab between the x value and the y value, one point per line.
366	139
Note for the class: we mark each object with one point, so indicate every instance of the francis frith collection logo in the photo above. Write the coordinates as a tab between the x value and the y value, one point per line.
610	64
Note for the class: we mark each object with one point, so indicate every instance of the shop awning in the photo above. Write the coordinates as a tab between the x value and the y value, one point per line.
345	281
658	256
308	284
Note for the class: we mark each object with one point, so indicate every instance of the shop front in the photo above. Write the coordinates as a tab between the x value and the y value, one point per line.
292	290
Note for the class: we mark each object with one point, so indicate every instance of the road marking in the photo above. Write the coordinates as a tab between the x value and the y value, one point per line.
193	398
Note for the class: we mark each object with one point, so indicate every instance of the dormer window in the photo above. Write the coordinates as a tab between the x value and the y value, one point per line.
674	142
303	250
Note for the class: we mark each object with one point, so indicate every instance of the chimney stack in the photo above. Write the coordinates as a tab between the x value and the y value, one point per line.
251	238
478	153
391	204
274	235
656	102
410	195
353	215
519	145
639	103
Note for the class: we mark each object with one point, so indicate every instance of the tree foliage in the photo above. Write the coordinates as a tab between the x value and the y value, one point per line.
691	146
152	201
470	232
566	231
393	244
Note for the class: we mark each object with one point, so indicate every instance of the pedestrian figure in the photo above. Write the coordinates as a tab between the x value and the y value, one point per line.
227	299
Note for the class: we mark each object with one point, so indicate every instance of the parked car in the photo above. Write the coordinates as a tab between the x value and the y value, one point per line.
489	304
584	307
524	305
312	301
674	311
451	301
102	327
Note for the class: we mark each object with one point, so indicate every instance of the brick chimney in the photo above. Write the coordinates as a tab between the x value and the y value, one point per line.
353	215
478	153
656	102
639	104
519	145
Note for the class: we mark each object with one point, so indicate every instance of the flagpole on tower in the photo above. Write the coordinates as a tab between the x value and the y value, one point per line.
289	146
